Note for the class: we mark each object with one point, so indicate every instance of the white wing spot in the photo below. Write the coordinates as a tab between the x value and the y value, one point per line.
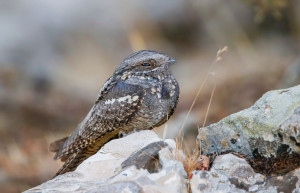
123	99
127	99
172	93
135	98
109	102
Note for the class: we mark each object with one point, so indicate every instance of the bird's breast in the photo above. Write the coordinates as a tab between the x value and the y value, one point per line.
161	95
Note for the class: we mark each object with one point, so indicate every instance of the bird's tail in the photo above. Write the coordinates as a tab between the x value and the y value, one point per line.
57	147
72	161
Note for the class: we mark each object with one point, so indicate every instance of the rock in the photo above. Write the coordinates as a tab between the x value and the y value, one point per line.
146	158
233	174
206	182
139	162
117	187
238	171
109	158
286	183
228	174
269	127
267	134
219	138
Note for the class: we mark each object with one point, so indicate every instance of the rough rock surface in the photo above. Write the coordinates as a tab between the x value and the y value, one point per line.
230	173
139	162
269	127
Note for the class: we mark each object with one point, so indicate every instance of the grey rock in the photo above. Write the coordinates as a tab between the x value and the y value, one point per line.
146	158
287	183
229	173
237	170
206	182
290	130
117	187
219	138
169	157
271	122
130	187
266	133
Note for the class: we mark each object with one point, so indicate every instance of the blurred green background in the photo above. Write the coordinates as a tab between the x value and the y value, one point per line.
56	55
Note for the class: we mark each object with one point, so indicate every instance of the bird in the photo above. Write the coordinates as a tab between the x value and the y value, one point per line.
141	94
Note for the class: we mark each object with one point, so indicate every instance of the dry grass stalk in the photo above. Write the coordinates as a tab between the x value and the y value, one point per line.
196	161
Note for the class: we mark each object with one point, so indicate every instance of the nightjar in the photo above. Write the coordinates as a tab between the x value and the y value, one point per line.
141	94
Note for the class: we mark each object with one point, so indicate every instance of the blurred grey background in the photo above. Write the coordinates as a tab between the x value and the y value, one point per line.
56	55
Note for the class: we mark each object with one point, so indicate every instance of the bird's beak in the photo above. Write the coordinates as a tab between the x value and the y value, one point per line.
171	61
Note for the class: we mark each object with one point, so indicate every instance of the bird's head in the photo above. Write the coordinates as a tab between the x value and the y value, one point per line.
146	62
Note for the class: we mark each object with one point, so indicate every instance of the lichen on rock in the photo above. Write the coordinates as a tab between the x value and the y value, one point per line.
272	121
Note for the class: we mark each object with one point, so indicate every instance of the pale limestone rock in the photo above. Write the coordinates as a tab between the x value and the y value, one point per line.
139	162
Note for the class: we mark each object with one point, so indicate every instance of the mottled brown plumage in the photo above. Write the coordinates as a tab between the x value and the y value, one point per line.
141	94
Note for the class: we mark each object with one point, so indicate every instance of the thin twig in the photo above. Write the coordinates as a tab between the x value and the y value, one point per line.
208	107
150	155
218	58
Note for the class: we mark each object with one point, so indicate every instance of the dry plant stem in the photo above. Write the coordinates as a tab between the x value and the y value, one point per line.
150	155
194	101
218	58
211	96
161	147
185	147
136	41
191	161
191	107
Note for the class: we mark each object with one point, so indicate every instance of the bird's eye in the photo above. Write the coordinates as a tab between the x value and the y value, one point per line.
146	64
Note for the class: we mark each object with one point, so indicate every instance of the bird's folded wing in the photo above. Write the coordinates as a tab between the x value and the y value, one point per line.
115	108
